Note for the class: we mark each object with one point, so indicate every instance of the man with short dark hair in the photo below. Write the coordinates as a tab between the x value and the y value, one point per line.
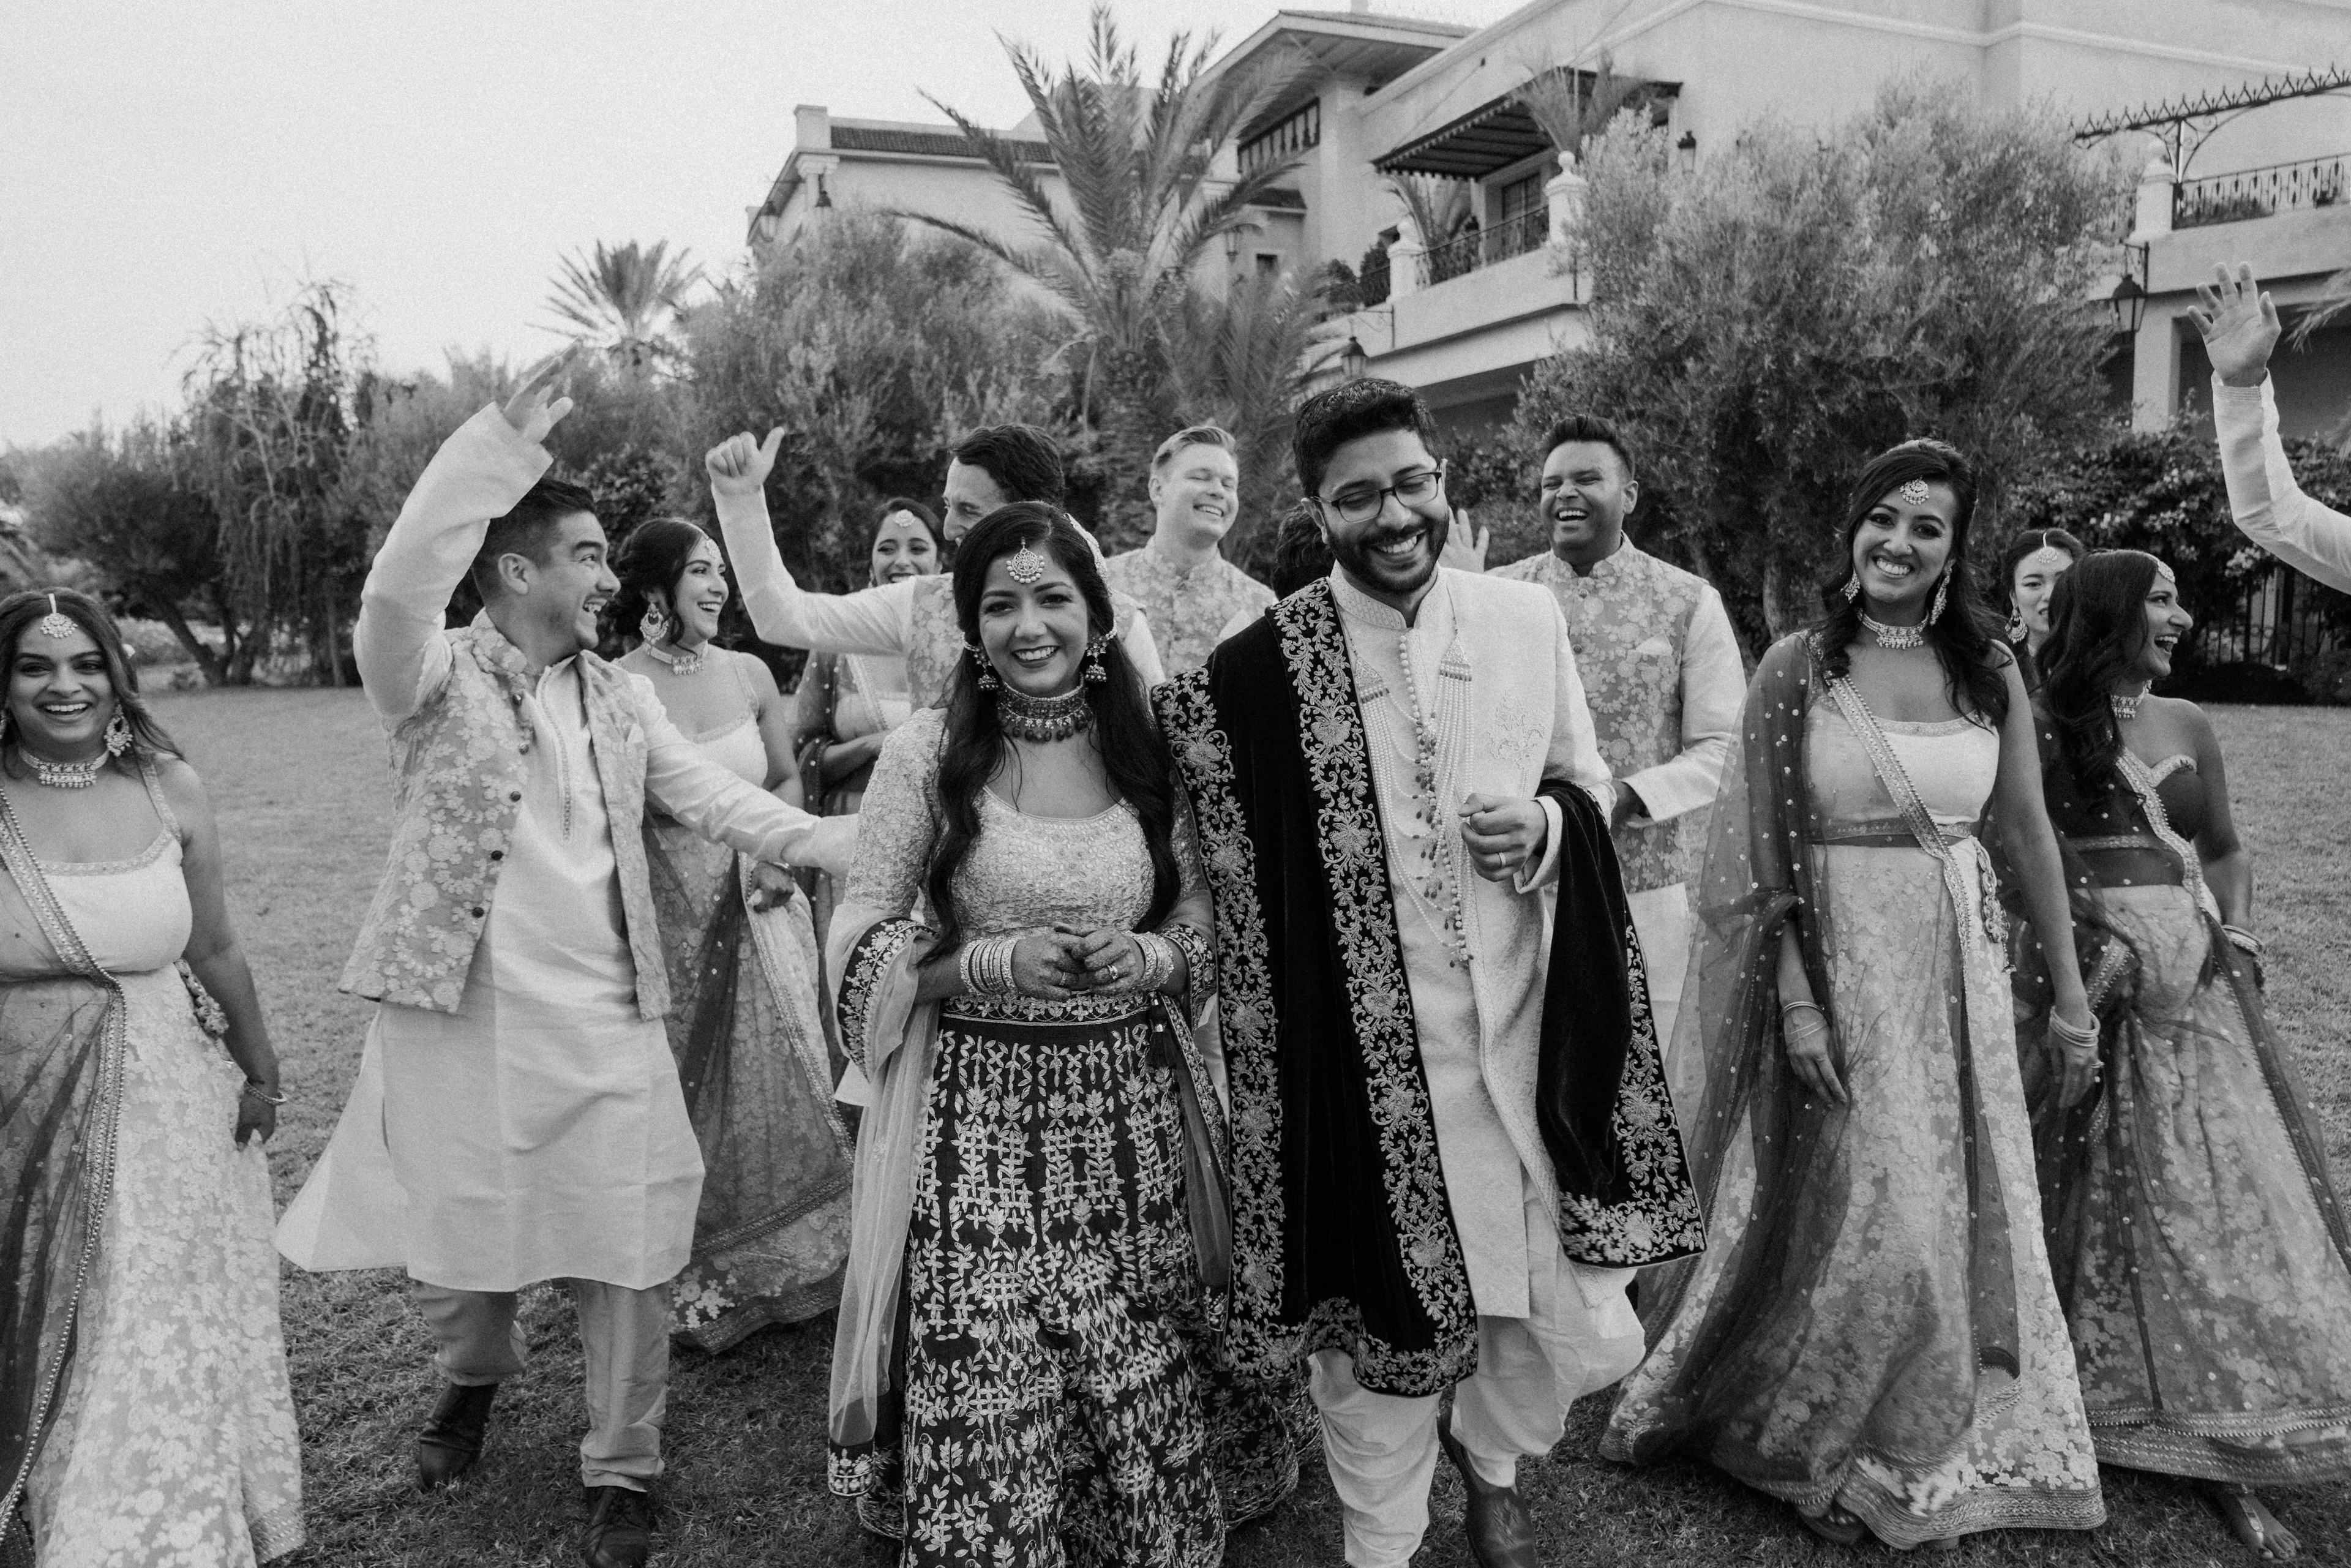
1387	767
1180	577
1662	672
517	1116
915	618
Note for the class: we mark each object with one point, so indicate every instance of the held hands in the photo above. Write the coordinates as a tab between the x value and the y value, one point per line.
771	887
529	411
2239	326
1465	544
1504	837
740	465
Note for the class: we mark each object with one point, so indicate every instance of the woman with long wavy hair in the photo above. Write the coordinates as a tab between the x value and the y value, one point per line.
771	1229
147	1416
2201	1255
1873	1336
1027	1369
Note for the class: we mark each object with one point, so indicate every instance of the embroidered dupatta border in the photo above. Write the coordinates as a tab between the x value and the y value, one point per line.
1352	846
16	857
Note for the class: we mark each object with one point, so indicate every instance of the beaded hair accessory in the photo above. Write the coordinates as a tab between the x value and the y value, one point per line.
56	622
1915	492
1025	567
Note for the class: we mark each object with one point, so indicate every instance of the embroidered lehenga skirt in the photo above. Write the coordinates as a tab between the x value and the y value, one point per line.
1064	1395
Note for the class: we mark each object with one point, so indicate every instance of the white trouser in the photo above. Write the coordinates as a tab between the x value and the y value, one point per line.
1381	1448
1661	918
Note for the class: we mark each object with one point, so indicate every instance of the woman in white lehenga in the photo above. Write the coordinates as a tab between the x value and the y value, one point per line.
772	1230
1872	1335
147	1420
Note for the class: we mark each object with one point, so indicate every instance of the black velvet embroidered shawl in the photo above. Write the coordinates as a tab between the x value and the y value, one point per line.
1342	1236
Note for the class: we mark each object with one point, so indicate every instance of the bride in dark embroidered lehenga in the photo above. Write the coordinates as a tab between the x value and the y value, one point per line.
1028	1353
1872	1335
145	1419
2201	1255
771	1231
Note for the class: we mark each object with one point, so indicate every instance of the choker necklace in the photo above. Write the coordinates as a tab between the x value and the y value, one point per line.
1894	636
2127	707
64	775
1025	717
685	662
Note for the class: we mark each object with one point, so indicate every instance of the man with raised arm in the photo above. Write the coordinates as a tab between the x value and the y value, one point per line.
2239	326
916	618
1180	576
1662	672
517	1116
1450	1139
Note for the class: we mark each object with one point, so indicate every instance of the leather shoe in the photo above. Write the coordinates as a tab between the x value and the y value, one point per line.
452	1439
1502	1532
620	1527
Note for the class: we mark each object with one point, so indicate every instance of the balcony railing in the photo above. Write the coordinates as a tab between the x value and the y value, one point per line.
2260	192
1466	253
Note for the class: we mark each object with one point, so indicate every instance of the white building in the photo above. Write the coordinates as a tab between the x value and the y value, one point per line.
1466	319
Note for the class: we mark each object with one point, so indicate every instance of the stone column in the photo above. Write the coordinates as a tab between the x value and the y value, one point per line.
2155	350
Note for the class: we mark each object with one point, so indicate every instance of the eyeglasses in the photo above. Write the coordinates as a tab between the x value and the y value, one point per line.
1362	503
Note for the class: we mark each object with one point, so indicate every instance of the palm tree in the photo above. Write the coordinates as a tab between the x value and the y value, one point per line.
1120	255
623	299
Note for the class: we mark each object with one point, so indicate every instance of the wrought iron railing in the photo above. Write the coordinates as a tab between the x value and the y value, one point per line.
2260	192
1483	247
1371	283
2276	620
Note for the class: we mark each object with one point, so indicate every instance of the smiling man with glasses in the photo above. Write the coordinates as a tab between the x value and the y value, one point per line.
1387	767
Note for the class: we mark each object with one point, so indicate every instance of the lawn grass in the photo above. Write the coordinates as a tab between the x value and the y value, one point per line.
301	784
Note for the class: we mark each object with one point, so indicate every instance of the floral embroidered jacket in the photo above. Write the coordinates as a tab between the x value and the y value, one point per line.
1662	672
453	702
1188	609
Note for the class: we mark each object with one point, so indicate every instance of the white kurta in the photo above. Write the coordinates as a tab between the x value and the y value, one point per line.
539	1132
1485	1181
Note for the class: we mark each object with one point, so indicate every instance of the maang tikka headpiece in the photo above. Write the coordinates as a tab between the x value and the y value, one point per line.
56	622
1915	492
1025	566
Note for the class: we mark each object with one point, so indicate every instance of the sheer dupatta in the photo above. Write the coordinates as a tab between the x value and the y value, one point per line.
62	1049
1766	1153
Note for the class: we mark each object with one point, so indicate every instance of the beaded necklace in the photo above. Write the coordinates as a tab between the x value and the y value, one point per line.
1025	718
1428	810
684	662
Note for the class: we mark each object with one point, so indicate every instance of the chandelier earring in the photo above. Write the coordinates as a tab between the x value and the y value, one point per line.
1942	597
1853	588
654	625
3	722
118	732
987	681
2016	625
1094	669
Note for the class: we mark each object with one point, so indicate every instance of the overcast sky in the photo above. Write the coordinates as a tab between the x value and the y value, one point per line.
164	164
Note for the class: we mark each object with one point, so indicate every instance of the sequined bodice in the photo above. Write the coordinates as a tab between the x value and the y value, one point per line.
133	916
1026	872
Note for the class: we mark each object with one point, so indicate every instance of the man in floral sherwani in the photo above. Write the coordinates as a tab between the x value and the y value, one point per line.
517	1116
1665	683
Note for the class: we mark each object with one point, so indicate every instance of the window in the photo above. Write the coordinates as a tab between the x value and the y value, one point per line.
1268	265
1284	138
1522	196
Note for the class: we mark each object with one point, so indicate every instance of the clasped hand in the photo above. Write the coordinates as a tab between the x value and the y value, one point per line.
1064	962
1504	837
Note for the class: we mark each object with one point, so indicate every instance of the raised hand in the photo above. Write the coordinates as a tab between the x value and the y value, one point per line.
740	465
2238	324
530	411
1465	544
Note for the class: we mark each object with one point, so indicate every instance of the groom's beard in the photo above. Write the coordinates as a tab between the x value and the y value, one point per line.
1403	579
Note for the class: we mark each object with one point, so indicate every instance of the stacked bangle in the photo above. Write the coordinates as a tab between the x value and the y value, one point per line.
1159	956
986	966
1803	1004
2070	1033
